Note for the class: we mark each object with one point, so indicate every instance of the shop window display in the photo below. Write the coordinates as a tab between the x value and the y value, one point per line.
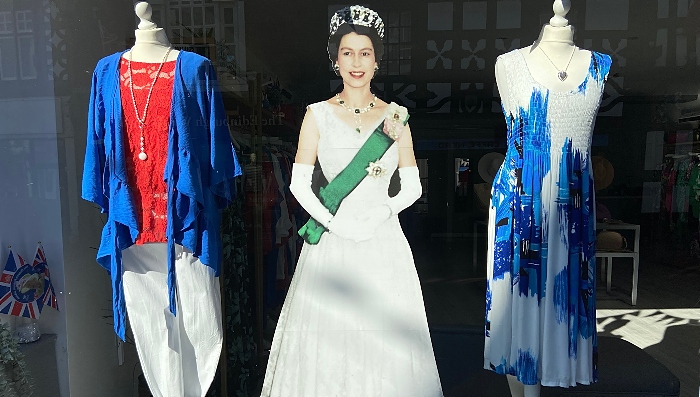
624	204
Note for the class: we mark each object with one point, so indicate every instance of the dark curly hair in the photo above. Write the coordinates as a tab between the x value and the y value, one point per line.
334	41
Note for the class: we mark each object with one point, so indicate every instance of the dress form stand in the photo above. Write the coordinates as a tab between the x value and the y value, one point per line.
151	41
518	389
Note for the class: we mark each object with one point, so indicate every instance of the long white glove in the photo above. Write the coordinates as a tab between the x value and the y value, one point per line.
411	190
300	186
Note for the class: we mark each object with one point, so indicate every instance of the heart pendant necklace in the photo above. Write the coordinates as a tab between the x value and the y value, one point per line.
562	74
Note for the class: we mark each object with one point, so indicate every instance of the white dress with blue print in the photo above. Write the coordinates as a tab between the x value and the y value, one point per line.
540	297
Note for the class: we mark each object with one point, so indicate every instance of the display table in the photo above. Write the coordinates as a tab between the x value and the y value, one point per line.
608	255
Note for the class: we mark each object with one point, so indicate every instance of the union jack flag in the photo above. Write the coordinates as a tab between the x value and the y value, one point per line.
42	268
19	286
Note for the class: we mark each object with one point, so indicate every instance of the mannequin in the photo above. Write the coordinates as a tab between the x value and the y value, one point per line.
162	170
556	40
151	41
194	335
551	74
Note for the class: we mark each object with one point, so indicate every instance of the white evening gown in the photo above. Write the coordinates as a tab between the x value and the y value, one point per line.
353	323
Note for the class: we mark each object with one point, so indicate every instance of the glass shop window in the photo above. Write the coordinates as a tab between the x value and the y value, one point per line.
17	45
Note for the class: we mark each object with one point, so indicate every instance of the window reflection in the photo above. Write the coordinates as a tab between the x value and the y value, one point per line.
17	45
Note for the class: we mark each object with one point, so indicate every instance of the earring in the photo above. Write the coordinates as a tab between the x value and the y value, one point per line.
336	69
376	68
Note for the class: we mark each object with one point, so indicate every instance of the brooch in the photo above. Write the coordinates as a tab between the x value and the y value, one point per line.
395	121
376	169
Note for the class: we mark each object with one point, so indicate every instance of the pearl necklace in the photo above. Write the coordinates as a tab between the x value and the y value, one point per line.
562	73
142	120
357	111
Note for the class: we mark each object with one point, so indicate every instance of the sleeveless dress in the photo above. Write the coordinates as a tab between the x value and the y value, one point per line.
353	322
540	297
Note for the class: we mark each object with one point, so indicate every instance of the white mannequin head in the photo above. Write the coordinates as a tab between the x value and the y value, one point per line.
560	8
144	12
151	41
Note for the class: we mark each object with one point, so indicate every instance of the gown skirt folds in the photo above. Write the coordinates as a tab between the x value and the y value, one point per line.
353	322
540	298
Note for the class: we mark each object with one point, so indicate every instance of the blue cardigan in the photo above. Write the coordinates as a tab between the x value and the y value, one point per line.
199	169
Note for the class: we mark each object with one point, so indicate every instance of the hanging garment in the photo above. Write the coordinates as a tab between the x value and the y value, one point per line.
694	183
238	300
179	354
353	322
540	298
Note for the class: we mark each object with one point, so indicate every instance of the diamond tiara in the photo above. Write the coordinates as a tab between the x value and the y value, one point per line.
357	15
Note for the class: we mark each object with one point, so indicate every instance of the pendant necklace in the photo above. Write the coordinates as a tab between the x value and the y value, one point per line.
562	74
357	111
142	119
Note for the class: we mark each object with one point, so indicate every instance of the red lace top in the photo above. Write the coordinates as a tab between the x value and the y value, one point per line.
146	177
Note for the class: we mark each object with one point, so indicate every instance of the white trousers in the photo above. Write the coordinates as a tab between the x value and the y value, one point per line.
179	354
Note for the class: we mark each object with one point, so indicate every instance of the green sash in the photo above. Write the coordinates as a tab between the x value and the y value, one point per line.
349	178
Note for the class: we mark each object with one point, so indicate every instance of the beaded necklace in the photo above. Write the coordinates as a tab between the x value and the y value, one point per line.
142	119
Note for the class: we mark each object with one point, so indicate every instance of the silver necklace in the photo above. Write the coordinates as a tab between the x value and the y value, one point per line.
142	120
562	74
356	111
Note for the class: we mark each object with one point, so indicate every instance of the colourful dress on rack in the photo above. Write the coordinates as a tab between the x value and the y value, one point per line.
540	298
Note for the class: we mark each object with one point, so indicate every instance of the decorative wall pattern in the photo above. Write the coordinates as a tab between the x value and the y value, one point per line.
463	40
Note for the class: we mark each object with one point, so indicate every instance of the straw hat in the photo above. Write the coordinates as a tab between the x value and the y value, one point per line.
603	172
489	165
608	240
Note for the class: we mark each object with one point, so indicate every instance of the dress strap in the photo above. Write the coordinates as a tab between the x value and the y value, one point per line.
320	113
511	65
